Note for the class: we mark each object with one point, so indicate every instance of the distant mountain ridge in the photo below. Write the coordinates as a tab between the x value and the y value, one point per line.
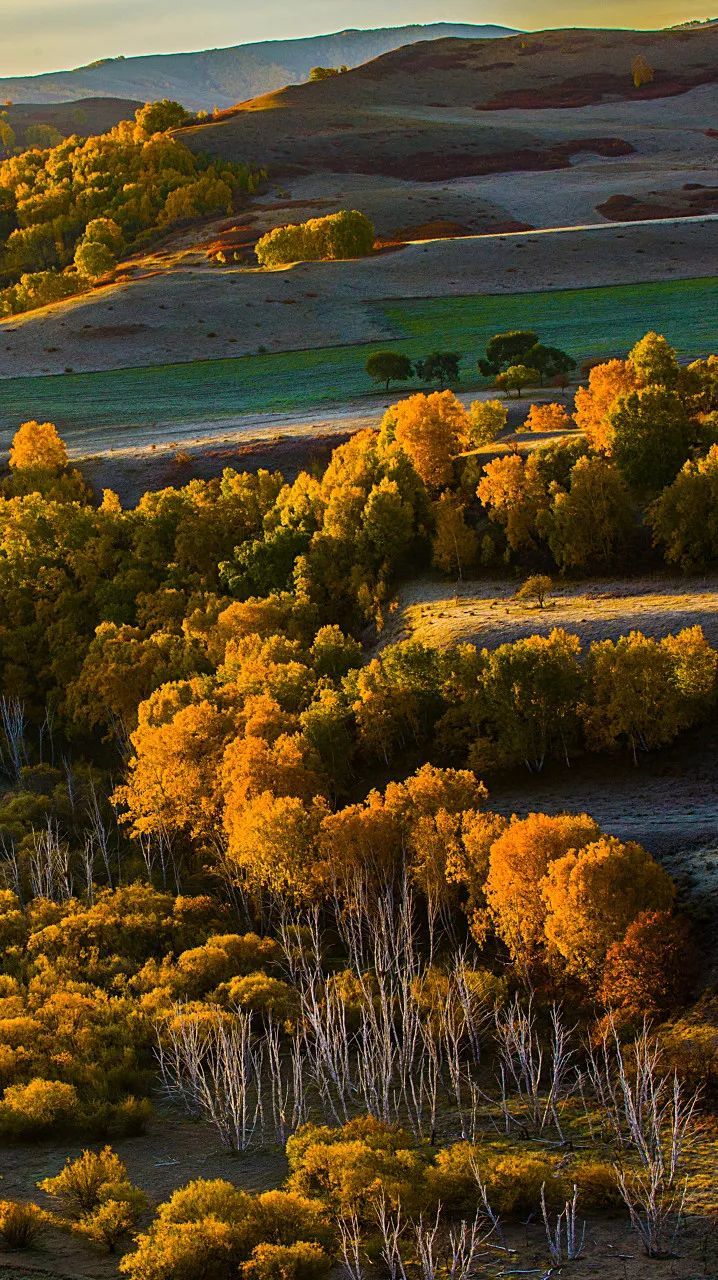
222	77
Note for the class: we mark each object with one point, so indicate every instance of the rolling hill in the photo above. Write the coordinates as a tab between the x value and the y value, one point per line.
220	77
540	130
438	108
84	117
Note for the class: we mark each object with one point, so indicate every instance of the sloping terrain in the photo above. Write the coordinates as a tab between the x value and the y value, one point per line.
397	116
85	117
428	132
221	77
175	307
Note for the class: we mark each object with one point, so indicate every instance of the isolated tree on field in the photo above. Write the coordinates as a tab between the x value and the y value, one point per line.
347	234
487	420
641	71
454	546
37	446
439	366
389	366
432	430
516	377
505	349
593	894
326	73
548	417
158	117
535	589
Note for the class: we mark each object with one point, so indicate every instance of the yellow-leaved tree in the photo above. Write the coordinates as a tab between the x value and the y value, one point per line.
432	430
38	446
518	862
593	894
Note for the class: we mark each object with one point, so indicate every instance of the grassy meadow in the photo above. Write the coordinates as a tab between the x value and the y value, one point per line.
586	322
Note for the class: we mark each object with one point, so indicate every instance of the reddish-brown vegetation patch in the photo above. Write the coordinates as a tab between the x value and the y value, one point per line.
425	166
102	331
236	239
445	229
585	90
692	201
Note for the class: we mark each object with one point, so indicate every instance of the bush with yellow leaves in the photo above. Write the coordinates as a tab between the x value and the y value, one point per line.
21	1222
214	1221
301	1261
95	1196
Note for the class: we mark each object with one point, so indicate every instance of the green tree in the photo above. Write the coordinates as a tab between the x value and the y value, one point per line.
654	362
651	436
505	349
347	234
158	117
551	362
455	544
642	692
684	519
93	259
440	366
487	421
7	134
528	708
42	136
389	366
516	377
589	526
536	588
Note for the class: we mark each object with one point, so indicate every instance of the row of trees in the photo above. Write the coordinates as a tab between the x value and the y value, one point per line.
513	360
344	1005
265	749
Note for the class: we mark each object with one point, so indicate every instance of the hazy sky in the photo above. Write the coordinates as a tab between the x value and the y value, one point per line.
47	35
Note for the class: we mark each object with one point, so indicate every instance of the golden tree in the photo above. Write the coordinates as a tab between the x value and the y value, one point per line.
593	894
518	862
641	71
455	544
548	417
606	382
38	446
432	430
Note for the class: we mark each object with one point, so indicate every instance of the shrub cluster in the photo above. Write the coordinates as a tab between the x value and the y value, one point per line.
347	234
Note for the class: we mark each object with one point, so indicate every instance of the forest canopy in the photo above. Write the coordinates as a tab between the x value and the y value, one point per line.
69	211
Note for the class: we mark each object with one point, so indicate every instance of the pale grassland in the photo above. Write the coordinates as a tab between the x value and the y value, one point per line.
486	614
